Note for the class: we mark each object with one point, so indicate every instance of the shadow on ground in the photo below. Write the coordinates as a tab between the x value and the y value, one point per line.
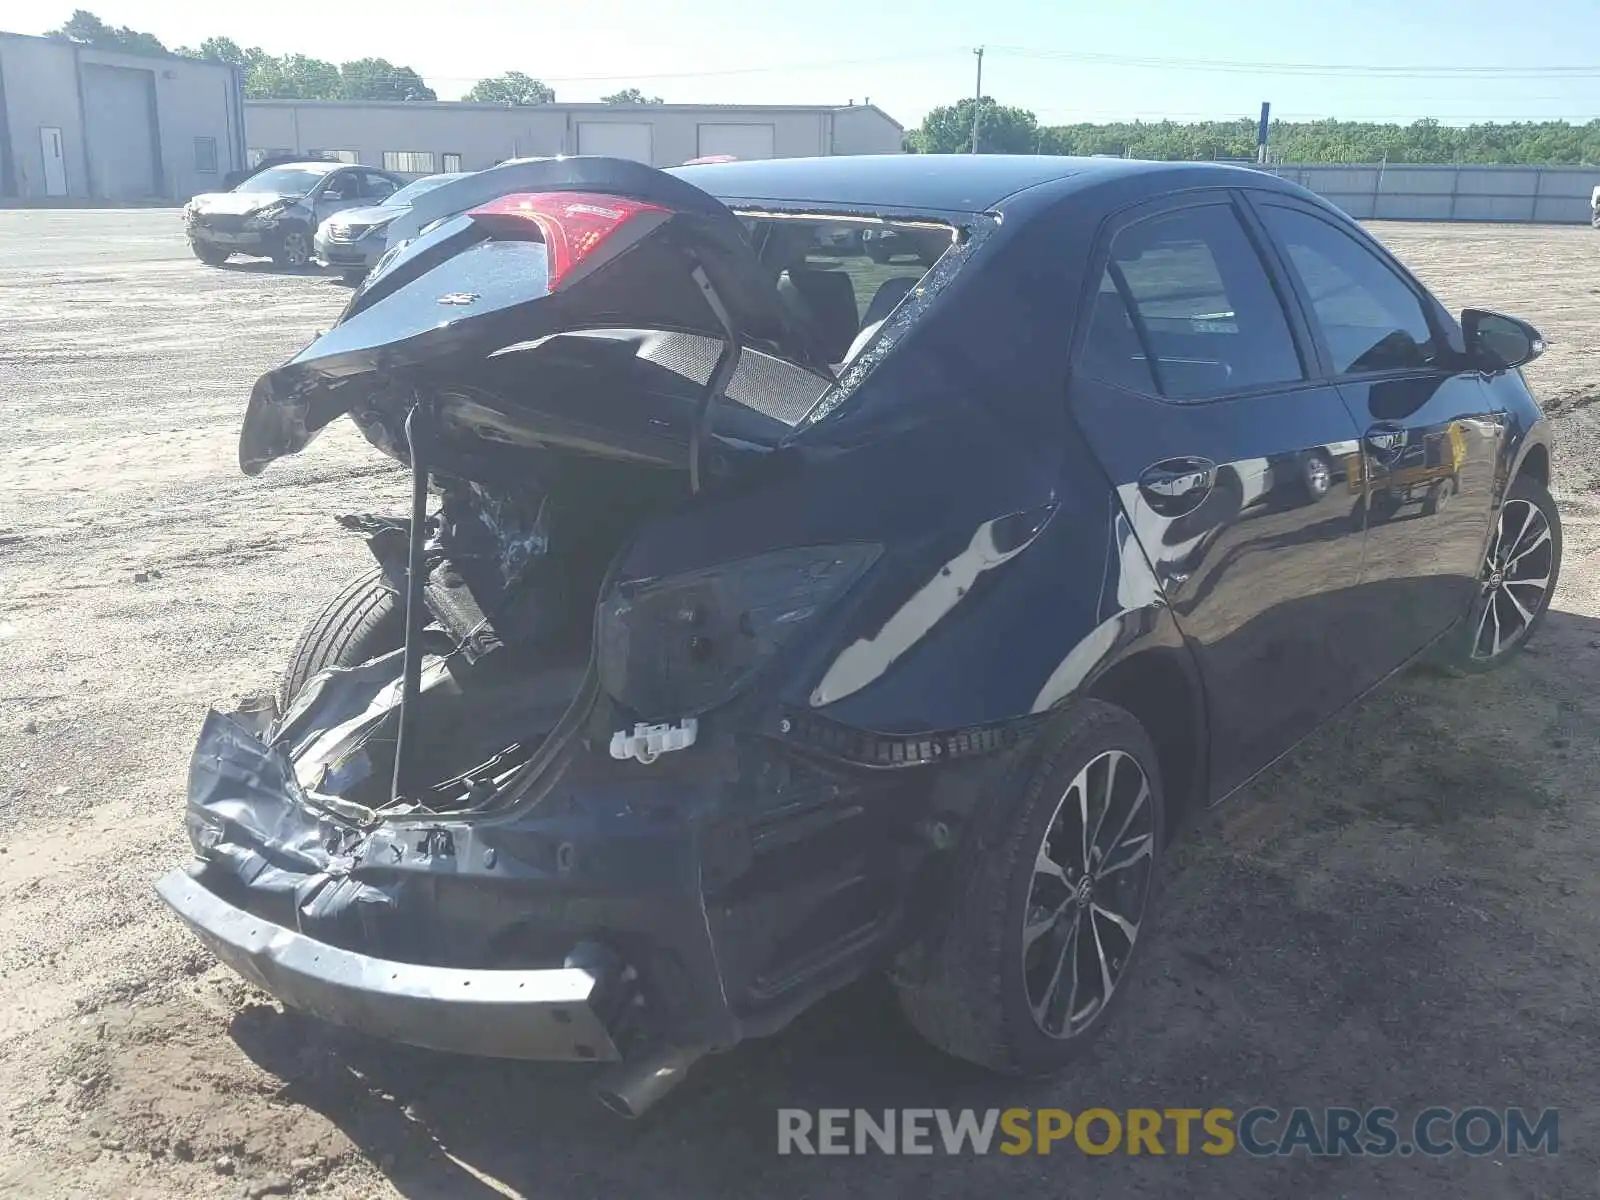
1400	914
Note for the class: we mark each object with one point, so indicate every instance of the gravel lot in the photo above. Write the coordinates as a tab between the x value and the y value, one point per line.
1405	912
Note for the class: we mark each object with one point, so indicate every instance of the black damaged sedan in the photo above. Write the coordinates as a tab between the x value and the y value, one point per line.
767	614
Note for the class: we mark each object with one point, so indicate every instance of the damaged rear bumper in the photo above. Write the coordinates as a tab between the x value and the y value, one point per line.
553	1014
631	911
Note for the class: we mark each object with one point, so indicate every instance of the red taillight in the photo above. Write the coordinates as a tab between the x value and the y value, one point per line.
573	224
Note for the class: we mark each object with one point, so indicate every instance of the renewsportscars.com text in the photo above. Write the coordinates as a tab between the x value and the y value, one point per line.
1258	1132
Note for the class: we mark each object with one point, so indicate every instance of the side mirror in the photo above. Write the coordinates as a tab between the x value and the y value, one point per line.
1499	343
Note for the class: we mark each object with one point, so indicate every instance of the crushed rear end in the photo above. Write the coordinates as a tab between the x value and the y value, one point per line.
489	840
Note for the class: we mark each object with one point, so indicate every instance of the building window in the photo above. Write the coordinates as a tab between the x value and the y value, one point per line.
345	156
205	155
452	162
409	162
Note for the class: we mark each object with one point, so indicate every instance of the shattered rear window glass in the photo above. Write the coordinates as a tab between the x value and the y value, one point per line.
840	279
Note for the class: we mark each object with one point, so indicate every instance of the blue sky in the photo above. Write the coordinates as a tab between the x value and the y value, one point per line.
908	58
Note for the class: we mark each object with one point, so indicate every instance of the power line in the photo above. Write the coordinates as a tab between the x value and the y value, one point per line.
1226	66
777	68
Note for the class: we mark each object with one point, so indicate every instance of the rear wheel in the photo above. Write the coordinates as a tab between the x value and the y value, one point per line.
294	249
1515	585
212	256
364	620
1053	905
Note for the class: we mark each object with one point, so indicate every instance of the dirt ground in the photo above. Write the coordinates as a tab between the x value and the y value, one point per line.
1404	912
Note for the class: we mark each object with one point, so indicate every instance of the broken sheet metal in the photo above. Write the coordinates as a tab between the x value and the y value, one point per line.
520	541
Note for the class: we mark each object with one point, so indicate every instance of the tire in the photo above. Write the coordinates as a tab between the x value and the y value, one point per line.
364	620
294	249
878	252
212	256
353	278
1385	506
1519	576
975	987
1438	497
1316	475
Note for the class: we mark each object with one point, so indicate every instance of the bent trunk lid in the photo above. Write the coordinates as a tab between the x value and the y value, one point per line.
463	299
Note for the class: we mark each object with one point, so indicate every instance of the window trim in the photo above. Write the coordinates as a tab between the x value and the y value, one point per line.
1440	325
1300	335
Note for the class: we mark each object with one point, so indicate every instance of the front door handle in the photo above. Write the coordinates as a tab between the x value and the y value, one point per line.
1176	486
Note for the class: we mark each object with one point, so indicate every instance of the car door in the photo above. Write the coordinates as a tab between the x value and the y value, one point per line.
1430	428
341	190
1194	384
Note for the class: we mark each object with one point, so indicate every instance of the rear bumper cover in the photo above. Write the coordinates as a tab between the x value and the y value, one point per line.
540	1014
699	901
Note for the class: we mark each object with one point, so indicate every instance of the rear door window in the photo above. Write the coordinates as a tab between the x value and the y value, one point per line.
1370	318
1185	306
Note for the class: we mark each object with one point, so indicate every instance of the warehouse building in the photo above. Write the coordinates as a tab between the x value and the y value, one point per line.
423	137
77	123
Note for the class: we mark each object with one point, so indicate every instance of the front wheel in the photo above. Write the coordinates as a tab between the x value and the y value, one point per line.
353	278
294	250
1515	584
212	256
1053	902
1316	475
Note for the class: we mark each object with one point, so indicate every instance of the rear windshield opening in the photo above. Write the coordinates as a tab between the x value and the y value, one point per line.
841	278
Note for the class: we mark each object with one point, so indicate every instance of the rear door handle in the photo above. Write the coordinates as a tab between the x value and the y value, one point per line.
1176	486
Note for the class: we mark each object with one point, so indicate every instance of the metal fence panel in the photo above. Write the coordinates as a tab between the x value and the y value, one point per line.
1450	192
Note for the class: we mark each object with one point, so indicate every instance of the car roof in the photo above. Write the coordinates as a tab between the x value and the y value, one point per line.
959	183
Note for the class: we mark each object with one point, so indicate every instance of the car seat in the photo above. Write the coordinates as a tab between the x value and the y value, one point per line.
826	303
884	302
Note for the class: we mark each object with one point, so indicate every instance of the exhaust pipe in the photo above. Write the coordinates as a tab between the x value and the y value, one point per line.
630	1088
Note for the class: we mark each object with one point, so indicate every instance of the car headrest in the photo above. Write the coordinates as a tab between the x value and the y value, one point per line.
889	294
829	299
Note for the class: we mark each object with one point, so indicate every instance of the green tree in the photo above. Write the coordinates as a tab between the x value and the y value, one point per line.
87	29
223	50
1002	130
380	79
630	96
511	88
1324	141
292	77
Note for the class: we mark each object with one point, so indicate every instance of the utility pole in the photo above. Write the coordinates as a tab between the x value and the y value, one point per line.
977	100
1261	133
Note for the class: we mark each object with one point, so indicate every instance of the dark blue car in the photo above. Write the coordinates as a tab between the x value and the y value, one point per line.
767	614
